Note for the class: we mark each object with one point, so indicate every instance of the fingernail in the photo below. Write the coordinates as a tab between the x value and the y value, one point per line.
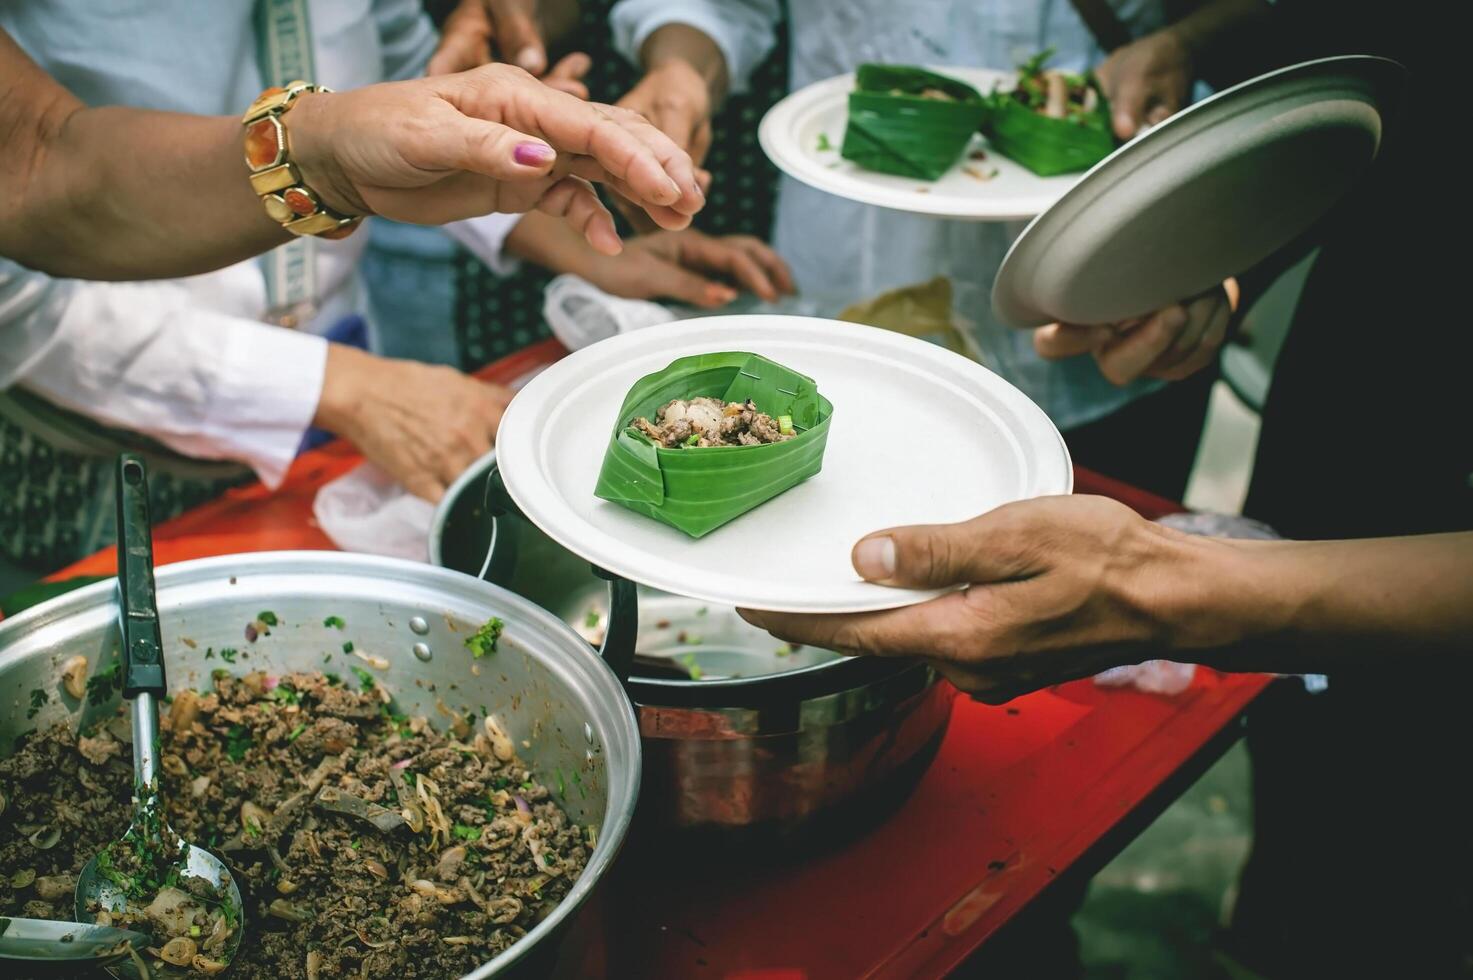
530	59
721	294
531	154
874	559
674	189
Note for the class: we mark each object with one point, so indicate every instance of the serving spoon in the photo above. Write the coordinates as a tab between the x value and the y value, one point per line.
102	888
54	945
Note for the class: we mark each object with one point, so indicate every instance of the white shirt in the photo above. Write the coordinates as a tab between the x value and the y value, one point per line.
188	361
842	251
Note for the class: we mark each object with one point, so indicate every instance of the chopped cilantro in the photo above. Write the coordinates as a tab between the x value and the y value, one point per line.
227	654
334	622
483	641
691	667
101	684
38	698
296	732
591	620
268	617
467	833
500	782
333	680
285	694
364	677
823	143
209	653
562	789
237	741
348	647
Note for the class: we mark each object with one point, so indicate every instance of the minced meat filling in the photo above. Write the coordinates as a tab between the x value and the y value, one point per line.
364	843
703	422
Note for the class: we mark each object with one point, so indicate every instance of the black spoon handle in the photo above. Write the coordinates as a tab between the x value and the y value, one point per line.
138	613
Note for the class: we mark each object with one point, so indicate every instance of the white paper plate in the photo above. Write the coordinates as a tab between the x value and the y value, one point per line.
1207	194
793	130
955	439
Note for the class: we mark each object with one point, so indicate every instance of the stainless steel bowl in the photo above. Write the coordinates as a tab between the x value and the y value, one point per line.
557	698
761	746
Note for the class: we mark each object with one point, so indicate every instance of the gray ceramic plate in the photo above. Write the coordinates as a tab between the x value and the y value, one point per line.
1203	196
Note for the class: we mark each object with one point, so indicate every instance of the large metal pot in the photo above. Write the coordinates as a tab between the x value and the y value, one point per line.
802	746
545	683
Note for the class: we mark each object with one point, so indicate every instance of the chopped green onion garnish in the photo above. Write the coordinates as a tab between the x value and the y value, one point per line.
348	647
336	622
483	641
694	440
785	424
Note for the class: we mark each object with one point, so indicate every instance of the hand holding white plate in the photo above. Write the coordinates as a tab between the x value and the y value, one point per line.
802	134
919	435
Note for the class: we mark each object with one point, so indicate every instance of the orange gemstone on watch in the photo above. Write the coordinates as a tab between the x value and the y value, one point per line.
263	143
299	200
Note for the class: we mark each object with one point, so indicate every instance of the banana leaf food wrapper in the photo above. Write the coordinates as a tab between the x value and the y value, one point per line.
908	121
711	437
1053	122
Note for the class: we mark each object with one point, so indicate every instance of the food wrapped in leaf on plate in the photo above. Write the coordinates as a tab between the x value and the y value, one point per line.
712	436
1053	122
909	121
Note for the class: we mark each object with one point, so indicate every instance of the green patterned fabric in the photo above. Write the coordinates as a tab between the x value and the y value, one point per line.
57	506
496	316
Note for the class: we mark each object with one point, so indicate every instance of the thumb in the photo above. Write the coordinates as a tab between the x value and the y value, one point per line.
935	556
488	148
1062	340
1128	108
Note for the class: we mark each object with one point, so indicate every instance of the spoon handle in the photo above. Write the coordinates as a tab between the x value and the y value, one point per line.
138	614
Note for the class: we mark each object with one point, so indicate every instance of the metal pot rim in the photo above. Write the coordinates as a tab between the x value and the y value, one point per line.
806	683
623	787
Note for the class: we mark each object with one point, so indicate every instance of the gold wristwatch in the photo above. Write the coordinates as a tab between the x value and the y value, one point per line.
273	175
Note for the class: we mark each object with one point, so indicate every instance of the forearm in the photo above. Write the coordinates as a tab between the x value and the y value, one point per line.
1229	40
1297	606
116	193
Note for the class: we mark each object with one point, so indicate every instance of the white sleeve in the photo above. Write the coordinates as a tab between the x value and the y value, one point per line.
406	37
744	30
139	356
31	304
485	237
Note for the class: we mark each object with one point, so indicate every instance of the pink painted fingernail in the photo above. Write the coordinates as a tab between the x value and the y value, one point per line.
874	559
531	154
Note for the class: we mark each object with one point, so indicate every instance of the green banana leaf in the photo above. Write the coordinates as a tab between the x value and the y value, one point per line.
893	129
1046	146
699	489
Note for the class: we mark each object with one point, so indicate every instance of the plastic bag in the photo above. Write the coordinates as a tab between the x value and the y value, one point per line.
366	510
580	314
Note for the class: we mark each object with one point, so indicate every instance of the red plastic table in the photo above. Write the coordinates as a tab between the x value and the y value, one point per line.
1016	796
